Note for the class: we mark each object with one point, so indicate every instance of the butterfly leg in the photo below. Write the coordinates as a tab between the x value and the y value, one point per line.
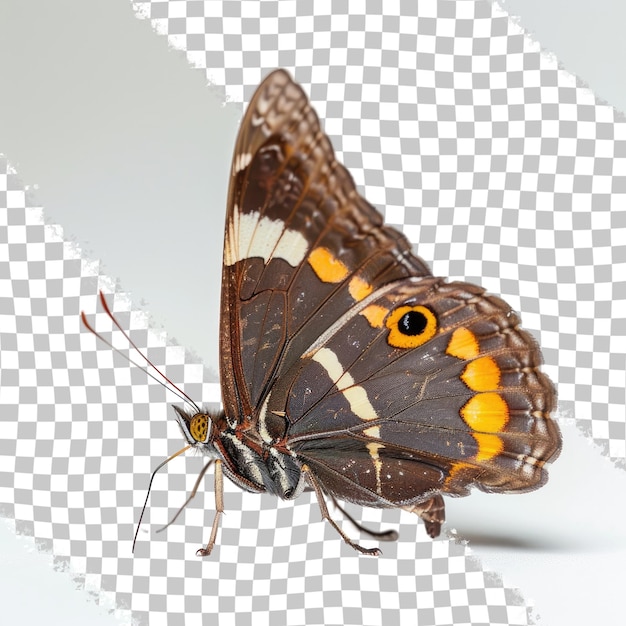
383	535
325	515
191	495
219	509
433	512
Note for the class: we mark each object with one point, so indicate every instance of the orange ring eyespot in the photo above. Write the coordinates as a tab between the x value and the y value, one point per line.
199	427
411	326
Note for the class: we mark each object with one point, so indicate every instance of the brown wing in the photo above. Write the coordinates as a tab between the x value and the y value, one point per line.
302	247
427	386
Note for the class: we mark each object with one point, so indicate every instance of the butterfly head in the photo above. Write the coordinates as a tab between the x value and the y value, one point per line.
196	426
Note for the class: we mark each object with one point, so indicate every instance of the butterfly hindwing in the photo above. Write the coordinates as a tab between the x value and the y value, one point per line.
455	400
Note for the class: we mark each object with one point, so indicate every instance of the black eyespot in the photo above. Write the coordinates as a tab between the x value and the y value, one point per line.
412	323
411	326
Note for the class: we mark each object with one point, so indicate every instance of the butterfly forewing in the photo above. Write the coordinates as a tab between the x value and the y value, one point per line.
301	245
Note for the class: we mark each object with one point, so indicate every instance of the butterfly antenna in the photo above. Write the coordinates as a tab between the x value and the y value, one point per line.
168	383
145	504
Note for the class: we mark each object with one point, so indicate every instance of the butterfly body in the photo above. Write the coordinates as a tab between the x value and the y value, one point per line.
345	366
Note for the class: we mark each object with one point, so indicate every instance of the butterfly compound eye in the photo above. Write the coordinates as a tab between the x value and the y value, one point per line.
199	427
411	326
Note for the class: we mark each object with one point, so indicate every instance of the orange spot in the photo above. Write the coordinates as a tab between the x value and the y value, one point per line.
463	344
456	468
329	269
399	338
359	288
486	412
482	374
488	446
375	315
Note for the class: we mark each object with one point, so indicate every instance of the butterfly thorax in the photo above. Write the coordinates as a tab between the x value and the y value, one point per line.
249	461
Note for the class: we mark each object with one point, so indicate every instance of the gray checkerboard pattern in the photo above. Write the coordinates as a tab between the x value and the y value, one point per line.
497	164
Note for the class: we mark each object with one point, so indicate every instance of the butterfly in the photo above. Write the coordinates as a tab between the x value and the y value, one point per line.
346	367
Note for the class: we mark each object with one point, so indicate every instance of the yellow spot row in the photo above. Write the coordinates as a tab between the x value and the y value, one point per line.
487	412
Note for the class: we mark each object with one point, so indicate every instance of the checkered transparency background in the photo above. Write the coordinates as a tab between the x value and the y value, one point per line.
498	165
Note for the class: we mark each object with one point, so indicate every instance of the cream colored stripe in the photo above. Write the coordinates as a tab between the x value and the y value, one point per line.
354	394
265	435
372	431
250	235
373	449
241	161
